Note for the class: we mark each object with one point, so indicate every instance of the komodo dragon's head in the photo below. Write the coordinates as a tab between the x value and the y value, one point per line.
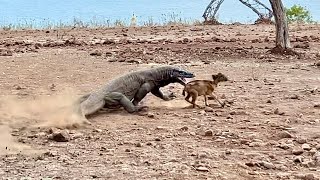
175	74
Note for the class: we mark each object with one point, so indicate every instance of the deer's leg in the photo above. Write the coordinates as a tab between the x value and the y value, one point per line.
206	100
214	96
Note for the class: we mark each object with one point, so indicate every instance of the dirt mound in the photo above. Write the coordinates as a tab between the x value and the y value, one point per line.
263	21
211	22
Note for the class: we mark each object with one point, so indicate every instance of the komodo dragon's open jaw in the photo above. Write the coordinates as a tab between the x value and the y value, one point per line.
182	75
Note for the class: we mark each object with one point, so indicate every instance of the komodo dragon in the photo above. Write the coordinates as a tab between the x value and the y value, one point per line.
129	89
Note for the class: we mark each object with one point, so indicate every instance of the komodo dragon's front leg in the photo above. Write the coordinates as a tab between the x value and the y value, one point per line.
156	91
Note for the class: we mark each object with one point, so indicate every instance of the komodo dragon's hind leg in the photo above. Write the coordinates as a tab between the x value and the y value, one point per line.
141	93
145	89
122	100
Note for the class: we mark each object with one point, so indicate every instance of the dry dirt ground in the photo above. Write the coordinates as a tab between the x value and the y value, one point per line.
271	130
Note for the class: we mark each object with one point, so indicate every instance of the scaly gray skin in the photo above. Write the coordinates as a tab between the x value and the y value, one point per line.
129	89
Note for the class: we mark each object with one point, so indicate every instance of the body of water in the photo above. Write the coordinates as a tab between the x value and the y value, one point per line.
45	12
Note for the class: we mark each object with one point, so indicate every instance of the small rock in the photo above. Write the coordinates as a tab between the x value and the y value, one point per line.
228	152
267	165
94	176
138	144
298	159
250	164
127	150
149	144
277	111
202	155
52	130
62	136
313	151
108	54
97	130
17	87
150	115
255	144
318	146
285	134
202	112
208	133
301	140
269	101
294	96
157	139
96	53
317	105
318	63
309	177
184	128
208	109
160	128
306	147
297	152
202	168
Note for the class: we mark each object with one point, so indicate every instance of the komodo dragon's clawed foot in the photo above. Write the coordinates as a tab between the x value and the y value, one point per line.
141	108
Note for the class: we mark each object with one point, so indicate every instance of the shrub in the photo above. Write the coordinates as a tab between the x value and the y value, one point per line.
298	14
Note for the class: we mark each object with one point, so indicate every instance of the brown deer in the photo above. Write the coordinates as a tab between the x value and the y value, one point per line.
203	87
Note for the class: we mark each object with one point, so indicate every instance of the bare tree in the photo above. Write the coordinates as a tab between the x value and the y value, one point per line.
282	30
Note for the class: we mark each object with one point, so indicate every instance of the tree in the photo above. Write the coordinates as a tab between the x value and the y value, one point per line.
282	30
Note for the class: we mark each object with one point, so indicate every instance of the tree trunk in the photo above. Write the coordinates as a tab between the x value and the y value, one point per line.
282	30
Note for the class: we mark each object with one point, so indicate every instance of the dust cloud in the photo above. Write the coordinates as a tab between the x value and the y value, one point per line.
58	110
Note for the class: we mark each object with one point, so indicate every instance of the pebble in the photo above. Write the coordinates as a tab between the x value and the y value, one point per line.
267	165
208	109
306	147
309	177
318	146
276	111
184	128
228	152
285	134
301	140
150	115
313	151
202	168
62	136
298	159
97	130
250	164
208	133
297	151
202	112
202	155
317	105
138	144
157	139
96	53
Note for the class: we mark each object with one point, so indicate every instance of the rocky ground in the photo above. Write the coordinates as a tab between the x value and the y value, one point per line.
271	130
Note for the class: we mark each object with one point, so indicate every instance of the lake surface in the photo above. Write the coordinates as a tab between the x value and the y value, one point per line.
45	12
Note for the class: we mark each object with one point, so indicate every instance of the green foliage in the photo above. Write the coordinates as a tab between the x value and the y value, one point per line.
298	14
